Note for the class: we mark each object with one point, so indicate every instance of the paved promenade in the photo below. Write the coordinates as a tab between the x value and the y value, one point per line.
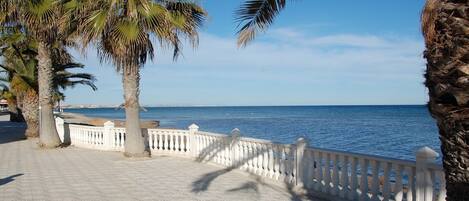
30	173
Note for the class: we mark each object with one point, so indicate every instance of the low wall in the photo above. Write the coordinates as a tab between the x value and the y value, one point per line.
340	174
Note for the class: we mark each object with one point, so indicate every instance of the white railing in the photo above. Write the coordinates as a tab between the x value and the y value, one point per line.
346	175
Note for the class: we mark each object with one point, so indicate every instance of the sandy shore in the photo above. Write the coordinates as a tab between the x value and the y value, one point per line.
95	121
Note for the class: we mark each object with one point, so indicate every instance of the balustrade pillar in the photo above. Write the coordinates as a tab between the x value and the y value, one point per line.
424	184
108	136
59	125
193	129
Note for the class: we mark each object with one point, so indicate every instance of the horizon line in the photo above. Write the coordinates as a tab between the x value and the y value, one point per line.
78	106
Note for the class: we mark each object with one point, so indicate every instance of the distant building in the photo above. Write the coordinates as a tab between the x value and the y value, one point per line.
3	105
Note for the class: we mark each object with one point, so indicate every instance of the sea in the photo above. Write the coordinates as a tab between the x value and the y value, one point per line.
395	131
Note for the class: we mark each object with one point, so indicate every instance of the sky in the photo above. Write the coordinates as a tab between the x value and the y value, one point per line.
333	52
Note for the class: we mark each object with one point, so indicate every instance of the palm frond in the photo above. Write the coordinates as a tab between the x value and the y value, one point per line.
256	16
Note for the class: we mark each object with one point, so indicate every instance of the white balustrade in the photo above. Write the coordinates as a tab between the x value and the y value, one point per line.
346	175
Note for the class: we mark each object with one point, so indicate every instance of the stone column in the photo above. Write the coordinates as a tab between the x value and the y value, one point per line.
59	124
108	136
193	129
424	184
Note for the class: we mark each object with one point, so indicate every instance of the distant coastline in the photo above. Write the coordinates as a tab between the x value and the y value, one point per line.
93	106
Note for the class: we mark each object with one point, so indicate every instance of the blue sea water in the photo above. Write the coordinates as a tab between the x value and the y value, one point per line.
391	131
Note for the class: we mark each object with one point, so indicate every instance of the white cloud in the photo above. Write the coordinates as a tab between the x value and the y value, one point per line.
286	66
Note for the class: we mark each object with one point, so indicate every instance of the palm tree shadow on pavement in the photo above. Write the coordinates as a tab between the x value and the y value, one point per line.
11	131
9	179
203	182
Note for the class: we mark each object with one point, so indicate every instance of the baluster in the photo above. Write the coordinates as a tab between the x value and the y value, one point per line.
398	185
282	163
264	163
277	155
288	165
442	189
166	141
344	176
309	169
241	161
150	140
93	137
221	143
293	166
411	184
229	152
158	141
327	175
431	194
386	185
236	149
364	179
335	179
223	150
172	142
260	159
375	181
255	158
354	179
270	148
251	157
215	149
172	145
187	144
319	178
176	141
219	149
246	156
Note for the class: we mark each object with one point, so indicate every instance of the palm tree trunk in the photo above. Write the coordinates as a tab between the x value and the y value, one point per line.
446	30
49	138
134	139
31	113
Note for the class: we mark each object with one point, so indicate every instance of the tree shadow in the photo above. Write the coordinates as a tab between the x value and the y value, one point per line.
250	185
210	152
9	179
12	131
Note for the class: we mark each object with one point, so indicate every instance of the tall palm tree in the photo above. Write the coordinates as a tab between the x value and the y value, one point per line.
44	21
122	31
445	25
19	61
256	16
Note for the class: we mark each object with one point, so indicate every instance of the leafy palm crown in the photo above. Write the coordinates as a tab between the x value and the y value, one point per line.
123	30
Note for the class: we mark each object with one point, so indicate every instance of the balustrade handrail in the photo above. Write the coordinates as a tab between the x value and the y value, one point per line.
211	134
409	163
332	172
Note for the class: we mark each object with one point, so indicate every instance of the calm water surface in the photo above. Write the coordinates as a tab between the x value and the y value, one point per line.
392	131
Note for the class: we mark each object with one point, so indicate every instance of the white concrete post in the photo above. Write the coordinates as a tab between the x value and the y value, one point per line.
193	128
301	145
59	124
108	136
235	135
424	183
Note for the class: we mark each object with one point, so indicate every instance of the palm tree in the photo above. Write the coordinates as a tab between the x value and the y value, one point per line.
256	16
445	26
19	53
43	19
9	96
122	31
